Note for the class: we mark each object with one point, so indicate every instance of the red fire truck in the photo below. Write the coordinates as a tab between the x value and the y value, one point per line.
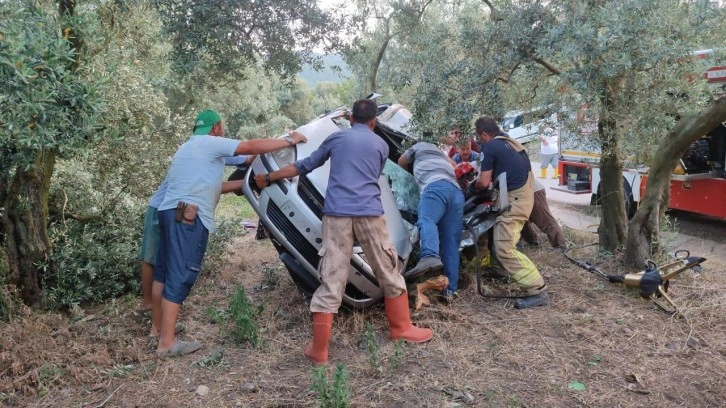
698	184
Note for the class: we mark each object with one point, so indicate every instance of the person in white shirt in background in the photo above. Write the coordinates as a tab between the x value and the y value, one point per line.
549	150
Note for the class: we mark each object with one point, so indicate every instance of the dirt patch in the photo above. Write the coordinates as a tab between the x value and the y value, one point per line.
598	345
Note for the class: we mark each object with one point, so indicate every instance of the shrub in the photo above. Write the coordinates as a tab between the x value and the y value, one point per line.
242	324
95	260
216	255
335	393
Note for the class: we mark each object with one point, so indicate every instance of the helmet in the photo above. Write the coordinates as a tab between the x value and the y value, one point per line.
463	169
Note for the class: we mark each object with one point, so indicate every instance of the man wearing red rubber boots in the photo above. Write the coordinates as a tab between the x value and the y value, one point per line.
352	208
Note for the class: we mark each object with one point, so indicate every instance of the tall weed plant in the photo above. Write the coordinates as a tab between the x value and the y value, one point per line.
242	321
333	393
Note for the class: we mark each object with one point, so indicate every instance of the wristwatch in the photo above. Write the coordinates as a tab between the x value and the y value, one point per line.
267	179
288	138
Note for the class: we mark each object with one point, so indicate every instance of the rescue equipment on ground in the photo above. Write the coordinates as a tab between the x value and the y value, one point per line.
654	280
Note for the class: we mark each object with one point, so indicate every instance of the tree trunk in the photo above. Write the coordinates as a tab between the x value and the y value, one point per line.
612	231
25	221
373	79
643	230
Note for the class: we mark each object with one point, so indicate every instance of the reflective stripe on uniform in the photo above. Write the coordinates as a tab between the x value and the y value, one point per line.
528	274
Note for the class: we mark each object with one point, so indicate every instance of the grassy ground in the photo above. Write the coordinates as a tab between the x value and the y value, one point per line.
597	345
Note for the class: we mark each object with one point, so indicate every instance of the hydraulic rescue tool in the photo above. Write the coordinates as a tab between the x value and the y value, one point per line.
653	282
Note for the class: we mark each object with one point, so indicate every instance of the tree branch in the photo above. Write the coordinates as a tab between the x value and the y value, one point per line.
547	65
56	213
509	76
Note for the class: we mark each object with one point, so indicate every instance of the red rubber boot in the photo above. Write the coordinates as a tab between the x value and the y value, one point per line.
399	319
317	350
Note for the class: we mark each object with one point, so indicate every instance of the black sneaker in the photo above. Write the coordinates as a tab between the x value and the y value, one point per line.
540	299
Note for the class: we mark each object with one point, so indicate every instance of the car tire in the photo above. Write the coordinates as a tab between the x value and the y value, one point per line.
630	205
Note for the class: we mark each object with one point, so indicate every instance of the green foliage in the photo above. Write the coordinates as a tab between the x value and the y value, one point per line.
47	104
270	279
469	60
143	129
214	359
335	393
399	353
4	305
5	298
238	321
49	375
214	46
97	260
218	245
374	356
242	324
118	371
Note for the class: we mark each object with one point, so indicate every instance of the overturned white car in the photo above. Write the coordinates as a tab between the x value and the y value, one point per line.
292	209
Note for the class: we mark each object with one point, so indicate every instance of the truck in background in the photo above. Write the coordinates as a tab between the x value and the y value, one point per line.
524	125
698	184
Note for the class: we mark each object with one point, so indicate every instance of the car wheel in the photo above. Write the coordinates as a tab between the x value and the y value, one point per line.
630	205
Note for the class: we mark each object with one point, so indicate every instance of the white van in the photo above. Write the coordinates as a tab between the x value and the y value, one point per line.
524	125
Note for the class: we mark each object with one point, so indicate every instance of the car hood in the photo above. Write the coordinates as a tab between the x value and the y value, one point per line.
391	127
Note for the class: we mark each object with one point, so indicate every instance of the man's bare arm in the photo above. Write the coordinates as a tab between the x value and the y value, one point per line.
485	178
260	146
230	186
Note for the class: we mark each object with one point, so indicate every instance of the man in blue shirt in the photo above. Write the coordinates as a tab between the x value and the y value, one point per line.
501	154
186	217
464	152
352	209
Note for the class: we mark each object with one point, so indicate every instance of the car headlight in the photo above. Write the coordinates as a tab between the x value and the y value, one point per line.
283	157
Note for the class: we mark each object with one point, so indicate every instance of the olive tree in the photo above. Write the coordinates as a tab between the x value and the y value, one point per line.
374	27
626	63
99	84
49	111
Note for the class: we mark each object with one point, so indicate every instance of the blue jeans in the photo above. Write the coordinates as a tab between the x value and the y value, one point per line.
440	221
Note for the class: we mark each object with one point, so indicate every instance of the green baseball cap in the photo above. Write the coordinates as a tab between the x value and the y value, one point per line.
205	120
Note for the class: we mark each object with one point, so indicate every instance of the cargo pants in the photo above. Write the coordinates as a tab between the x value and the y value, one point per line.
543	219
338	236
507	231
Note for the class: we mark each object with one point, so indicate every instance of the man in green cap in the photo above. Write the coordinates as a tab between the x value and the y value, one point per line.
186	217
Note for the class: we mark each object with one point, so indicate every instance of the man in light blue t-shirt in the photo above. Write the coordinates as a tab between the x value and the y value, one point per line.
186	217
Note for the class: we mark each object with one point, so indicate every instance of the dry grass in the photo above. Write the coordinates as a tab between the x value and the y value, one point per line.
595	333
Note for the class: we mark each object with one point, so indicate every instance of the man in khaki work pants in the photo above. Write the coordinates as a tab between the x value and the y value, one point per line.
502	154
352	208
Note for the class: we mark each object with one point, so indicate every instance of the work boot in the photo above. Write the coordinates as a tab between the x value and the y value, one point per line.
540	299
542	173
554	176
399	319
425	264
317	350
